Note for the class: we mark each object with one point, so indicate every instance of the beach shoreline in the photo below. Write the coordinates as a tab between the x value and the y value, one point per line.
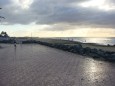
107	52
91	50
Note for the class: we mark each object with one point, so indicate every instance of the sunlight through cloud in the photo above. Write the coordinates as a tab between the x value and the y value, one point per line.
100	4
24	4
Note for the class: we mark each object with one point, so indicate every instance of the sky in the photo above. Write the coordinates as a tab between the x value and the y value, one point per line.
58	18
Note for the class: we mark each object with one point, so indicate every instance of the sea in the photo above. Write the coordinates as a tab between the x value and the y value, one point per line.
101	41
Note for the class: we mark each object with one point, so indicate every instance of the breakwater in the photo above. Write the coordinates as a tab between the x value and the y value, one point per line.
78	49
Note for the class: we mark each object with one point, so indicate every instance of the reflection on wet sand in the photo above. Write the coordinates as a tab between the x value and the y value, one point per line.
92	68
95	73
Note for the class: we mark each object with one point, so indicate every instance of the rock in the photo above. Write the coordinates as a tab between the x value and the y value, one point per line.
110	52
94	51
113	55
94	55
110	57
81	51
101	53
78	48
87	50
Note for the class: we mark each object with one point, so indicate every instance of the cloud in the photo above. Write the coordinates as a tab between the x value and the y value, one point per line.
4	2
60	14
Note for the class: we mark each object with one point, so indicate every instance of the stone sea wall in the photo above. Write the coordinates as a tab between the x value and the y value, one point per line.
78	49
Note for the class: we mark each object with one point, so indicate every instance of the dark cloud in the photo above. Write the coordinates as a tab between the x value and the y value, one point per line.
4	2
58	11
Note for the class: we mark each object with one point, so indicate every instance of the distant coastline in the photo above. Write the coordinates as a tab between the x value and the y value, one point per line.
96	40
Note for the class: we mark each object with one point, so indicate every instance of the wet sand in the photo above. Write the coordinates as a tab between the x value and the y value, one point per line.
37	65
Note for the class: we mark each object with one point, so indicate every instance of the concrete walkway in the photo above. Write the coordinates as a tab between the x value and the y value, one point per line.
36	65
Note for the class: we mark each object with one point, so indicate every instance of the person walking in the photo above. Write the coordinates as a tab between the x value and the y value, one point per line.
15	44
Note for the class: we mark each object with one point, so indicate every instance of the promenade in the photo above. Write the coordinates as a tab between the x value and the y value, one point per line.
37	65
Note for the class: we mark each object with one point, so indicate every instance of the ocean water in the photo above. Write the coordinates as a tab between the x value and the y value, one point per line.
102	41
